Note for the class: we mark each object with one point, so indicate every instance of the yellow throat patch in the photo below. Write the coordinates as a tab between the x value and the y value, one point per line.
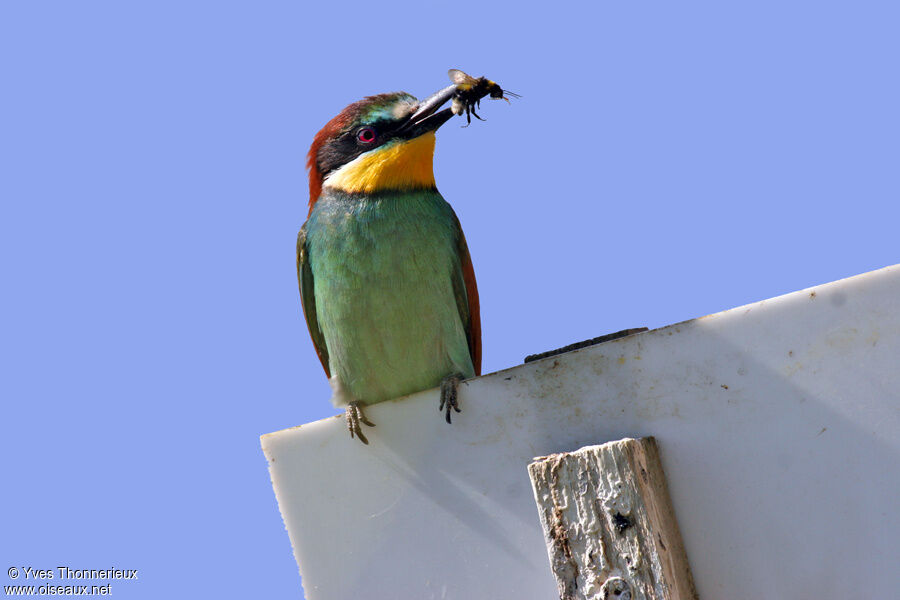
404	165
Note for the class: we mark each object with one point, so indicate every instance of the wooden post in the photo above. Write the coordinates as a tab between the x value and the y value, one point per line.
609	525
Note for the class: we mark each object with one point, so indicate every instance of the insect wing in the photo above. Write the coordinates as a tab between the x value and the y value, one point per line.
460	78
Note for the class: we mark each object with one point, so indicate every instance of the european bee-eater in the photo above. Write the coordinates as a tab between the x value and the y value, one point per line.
386	280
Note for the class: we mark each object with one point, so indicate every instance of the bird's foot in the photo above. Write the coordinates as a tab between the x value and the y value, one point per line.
449	388
355	416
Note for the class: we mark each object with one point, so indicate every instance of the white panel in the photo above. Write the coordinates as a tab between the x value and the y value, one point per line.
778	424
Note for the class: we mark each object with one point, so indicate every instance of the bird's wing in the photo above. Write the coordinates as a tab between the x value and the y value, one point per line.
467	300
308	299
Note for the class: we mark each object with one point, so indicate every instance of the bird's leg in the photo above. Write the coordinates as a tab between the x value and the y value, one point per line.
355	416
449	388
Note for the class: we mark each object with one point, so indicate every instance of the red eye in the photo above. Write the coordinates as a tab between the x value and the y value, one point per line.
366	135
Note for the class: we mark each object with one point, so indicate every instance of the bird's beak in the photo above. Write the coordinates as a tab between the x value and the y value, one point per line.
426	118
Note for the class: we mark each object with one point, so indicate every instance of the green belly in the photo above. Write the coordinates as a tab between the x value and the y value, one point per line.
383	270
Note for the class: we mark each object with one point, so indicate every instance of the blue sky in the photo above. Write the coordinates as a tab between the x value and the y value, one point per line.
665	161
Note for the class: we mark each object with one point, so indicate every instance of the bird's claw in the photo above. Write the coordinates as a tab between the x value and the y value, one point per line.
355	416
449	389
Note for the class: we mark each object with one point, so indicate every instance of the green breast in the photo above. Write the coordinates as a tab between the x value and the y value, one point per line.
383	269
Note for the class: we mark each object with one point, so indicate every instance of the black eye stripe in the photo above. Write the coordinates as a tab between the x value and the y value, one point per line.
347	146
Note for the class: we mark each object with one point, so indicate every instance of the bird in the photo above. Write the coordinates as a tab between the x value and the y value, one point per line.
387	285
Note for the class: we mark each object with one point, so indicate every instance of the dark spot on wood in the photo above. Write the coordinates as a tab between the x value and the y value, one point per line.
507	378
662	544
812	294
790	352
615	587
621	522
724	387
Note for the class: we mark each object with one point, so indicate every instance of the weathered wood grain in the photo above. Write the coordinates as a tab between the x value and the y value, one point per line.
609	524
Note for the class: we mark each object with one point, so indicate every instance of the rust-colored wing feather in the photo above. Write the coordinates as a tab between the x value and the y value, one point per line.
467	301
308	300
